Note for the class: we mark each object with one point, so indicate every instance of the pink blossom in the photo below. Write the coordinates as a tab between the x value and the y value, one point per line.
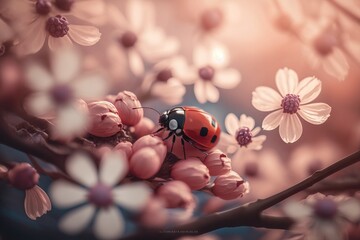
129	108
217	162
153	142
230	186
144	127
104	118
192	172
176	194
145	163
154	214
126	147
294	99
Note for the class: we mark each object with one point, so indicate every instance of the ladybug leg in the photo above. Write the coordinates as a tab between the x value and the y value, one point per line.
157	131
173	142
183	146
168	136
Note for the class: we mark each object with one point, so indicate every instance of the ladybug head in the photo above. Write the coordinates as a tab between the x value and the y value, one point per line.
163	119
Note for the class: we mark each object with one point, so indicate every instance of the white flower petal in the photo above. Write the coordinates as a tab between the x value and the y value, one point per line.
33	38
266	99
212	93
329	230
88	9
257	142
80	167
290	128
171	92
227	143
255	131
84	35
136	63
308	89
199	91
40	105
297	211
227	78
140	14
65	64
336	64
76	220
315	113
59	43
65	194
246	121
132	196
210	52
272	120
38	78
350	209
113	168
90	87
109	223
286	81
231	124
181	70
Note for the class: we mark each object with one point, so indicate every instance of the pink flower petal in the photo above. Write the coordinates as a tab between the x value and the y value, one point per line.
76	220
308	89
211	92
290	128
90	87
38	78
200	92
315	113
82	169
37	203
136	63
266	99
109	223
231	124
84	35
59	43
336	65
65	65
65	194
272	120
227	78
350	209
40	105
246	121
113	168
132	196
286	81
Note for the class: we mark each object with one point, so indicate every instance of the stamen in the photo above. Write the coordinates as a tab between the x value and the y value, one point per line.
290	103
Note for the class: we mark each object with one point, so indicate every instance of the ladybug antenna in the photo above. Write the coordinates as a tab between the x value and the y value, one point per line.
149	108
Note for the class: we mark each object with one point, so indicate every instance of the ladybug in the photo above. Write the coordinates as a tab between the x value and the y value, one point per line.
193	125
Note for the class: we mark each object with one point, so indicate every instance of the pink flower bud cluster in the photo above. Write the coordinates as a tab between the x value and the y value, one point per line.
109	116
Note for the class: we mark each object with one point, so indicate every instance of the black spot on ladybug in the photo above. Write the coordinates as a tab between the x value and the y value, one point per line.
203	131
213	139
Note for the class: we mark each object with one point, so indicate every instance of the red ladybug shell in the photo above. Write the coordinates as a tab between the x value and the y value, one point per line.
201	128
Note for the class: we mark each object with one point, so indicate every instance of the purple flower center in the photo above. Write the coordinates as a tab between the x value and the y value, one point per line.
211	19
61	94
290	103
57	26
128	39
325	43
251	169
43	7
64	5
206	73
164	75
100	195
243	136
24	178
325	208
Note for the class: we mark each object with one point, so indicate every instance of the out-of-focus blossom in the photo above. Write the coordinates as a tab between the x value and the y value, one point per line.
24	177
58	96
104	118
323	217
307	159
129	108
144	127
242	134
192	172
38	20
211	71
165	80
294	99
100	193
217	162
230	186
145	163
176	194
139	38
155	214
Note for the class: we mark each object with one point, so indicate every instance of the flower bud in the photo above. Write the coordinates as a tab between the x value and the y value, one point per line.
154	214
105	120
218	163
23	176
176	194
110	98
230	186
144	127
126	147
192	172
153	142
145	163
125	103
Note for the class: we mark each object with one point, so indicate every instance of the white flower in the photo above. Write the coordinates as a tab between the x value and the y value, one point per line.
100	192
59	97
295	99
242	134
323	217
